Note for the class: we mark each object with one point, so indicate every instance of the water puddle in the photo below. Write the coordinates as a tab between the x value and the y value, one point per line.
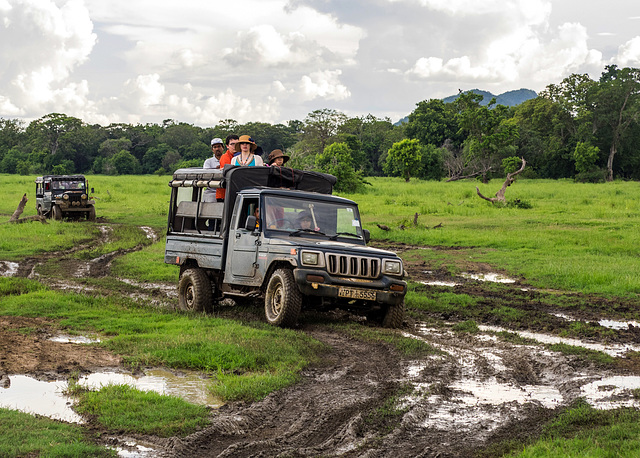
8	269
151	234
615	350
32	396
130	449
612	392
74	339
491	277
169	290
190	387
618	325
48	398
440	283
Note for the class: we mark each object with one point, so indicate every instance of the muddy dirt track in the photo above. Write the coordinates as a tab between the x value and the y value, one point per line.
366	399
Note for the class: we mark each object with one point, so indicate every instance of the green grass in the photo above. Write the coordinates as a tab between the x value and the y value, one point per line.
576	236
18	241
131	199
146	265
583	431
25	435
126	409
253	356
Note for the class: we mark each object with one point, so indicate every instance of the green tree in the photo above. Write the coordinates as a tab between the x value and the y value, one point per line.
152	160
585	156
433	122
50	130
431	166
125	163
404	158
320	129
616	102
336	160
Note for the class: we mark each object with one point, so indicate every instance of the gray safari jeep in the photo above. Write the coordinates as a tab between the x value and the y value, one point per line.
63	196
280	237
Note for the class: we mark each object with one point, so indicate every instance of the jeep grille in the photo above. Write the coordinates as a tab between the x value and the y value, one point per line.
353	266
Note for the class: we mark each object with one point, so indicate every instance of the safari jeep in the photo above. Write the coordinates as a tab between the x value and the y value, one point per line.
63	196
254	246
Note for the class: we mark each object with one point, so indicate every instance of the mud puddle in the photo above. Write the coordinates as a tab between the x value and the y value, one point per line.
8	269
49	398
615	350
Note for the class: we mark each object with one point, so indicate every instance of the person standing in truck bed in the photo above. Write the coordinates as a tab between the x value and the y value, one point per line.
247	147
225	159
217	148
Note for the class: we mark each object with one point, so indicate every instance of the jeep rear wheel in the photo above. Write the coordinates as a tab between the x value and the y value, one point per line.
56	213
393	316
194	291
283	300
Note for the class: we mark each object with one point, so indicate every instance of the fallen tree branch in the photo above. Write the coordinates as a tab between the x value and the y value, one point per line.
500	194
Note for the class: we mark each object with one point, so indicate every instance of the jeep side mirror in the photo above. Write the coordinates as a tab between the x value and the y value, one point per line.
367	235
92	191
251	224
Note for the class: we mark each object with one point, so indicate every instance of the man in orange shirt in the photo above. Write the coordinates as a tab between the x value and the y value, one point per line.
230	141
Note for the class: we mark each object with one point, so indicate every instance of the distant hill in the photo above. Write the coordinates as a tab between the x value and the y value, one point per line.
509	98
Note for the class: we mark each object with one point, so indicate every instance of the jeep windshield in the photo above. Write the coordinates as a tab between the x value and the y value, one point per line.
305	218
66	185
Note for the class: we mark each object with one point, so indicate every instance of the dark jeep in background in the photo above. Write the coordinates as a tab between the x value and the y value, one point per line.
64	196
254	246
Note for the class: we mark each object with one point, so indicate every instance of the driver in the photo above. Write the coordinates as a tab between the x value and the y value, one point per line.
305	221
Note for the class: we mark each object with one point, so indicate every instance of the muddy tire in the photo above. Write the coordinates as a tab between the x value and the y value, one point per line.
91	214
56	213
194	291
283	300
39	210
393	316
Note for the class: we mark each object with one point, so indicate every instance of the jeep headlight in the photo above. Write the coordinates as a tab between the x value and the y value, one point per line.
310	258
392	267
66	197
83	197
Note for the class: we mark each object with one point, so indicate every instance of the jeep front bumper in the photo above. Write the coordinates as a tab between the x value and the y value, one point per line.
385	290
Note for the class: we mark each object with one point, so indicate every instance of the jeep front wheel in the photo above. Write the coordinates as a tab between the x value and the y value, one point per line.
56	213
283	300
393	316
91	214
194	291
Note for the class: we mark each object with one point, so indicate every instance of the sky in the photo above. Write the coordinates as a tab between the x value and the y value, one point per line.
202	61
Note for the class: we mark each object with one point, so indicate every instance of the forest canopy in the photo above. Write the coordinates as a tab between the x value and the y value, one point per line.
579	128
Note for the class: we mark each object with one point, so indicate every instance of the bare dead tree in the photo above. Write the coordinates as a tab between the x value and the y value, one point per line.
500	194
15	218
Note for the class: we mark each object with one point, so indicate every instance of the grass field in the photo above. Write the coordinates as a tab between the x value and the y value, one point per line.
554	234
575	236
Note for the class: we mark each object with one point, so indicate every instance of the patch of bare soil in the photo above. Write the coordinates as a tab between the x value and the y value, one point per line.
26	348
366	399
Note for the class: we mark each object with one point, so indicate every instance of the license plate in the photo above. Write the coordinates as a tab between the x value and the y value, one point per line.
354	293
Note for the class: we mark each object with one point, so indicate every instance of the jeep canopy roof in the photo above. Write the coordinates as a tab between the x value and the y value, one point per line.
60	178
236	178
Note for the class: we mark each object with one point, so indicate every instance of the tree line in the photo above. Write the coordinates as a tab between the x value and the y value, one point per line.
580	128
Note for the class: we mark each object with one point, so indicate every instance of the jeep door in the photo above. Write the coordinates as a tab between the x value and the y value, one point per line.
242	251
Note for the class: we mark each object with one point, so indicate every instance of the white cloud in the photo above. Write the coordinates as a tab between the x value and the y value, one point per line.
520	55
629	53
324	84
41	44
145	90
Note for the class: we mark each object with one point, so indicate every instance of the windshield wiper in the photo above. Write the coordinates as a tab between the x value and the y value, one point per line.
300	231
351	234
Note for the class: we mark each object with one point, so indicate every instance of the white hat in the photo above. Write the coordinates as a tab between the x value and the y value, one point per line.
216	141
